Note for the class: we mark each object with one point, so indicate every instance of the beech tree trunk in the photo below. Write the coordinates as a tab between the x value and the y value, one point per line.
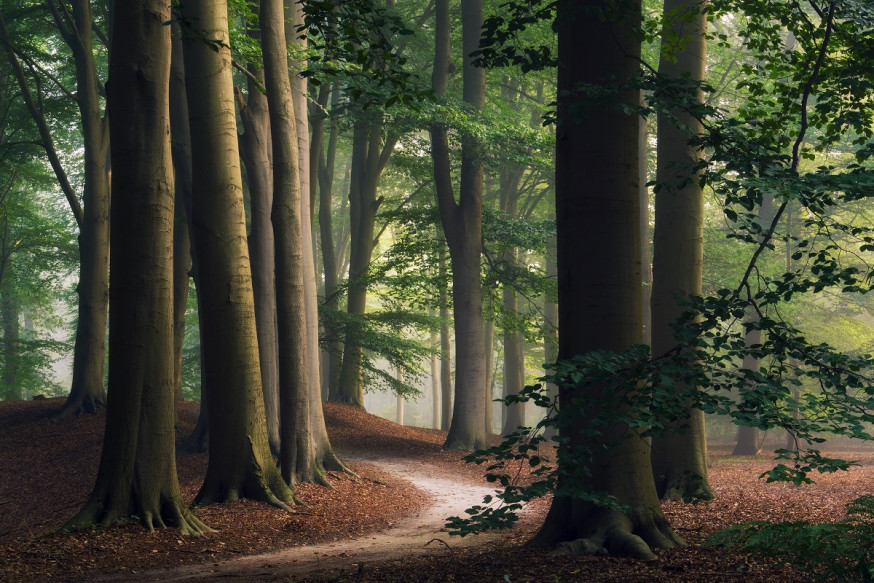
255	149
89	351
9	315
679	456
137	473
599	281
370	154
445	349
462	225
314	433
180	147
240	464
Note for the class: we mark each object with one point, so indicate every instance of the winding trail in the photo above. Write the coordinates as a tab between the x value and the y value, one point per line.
413	535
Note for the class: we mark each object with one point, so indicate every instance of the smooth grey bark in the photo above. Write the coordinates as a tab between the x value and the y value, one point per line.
462	226
679	456
240	464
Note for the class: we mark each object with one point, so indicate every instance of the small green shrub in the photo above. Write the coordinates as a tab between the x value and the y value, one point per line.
837	551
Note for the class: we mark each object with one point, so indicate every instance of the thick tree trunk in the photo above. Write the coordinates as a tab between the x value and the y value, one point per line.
679	456
598	230
240	464
550	330
462	225
89	351
137	473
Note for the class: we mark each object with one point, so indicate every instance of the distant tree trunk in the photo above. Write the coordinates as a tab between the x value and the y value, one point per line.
462	225
748	437
489	336
645	251
370	154
89	351
240	464
597	207
550	329
679	456
255	149
326	162
399	417
445	348
9	314
514	359
137	473
435	380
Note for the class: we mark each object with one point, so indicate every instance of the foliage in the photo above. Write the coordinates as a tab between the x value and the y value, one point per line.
841	551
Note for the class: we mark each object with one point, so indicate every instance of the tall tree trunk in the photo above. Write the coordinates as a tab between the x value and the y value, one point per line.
314	433
180	145
597	207
514	359
370	153
89	350
255	149
137	473
679	456
326	161
445	347
240	464
488	403
435	379
462	225
550	330
9	315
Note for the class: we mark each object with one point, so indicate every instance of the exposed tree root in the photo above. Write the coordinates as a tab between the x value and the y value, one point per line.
609	532
162	513
81	403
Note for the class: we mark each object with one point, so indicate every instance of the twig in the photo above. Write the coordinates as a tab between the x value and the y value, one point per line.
440	540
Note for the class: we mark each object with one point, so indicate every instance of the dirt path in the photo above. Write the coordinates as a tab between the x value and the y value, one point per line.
412	535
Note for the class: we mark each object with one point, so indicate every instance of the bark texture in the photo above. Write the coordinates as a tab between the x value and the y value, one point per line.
462	225
599	283
679	456
137	473
240	464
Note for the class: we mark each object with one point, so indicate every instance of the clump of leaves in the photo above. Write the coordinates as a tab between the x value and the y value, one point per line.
841	551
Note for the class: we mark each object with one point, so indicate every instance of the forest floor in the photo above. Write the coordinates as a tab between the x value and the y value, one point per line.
383	524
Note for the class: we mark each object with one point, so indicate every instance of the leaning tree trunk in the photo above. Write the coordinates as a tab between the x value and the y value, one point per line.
679	456
240	464
137	473
597	208
89	350
462	225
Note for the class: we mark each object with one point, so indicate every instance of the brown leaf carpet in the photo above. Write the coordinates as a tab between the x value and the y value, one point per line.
47	471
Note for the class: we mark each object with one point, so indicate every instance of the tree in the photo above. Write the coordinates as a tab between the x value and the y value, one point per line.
599	283
137	473
92	215
679	456
462	225
240	464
